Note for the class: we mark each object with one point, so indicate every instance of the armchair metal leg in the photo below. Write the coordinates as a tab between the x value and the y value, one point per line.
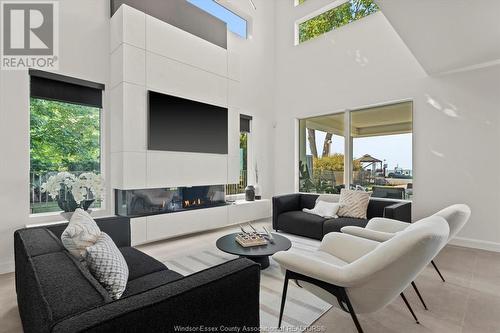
409	307
418	294
337	291
351	312
437	270
283	297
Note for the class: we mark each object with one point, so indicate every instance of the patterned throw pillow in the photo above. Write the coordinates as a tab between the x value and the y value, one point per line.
108	266
81	232
353	203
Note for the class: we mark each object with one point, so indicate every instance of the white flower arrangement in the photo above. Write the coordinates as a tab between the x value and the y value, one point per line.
87	186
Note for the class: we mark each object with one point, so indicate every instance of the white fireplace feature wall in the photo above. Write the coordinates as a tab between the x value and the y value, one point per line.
149	54
156	227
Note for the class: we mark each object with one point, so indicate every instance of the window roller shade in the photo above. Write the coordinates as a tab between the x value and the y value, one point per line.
65	89
245	123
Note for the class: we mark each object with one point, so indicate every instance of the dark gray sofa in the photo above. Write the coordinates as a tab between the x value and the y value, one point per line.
289	217
56	293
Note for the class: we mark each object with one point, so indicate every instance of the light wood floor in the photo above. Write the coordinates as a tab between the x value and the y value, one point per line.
469	301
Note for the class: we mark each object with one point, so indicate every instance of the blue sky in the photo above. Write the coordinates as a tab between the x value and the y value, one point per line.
395	149
235	23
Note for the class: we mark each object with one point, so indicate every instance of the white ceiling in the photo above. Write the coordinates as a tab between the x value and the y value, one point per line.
375	121
447	35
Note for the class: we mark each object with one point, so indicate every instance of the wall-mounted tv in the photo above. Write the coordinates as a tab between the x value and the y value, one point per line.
178	124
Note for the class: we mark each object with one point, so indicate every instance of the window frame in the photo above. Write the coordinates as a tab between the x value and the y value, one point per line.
247	159
243	17
227	6
104	140
348	142
317	12
250	154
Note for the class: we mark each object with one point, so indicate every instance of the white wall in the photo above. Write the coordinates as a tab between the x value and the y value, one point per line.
84	42
149	54
366	63
251	91
85	53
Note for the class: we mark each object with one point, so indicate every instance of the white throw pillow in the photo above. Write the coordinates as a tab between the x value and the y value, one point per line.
328	197
108	265
81	232
324	209
353	203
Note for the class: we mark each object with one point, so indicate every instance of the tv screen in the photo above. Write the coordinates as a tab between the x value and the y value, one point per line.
178	124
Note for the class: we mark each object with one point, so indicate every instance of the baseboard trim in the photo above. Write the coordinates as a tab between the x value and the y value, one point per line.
7	267
476	244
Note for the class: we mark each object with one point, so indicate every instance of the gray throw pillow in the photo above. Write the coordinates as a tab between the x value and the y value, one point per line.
108	266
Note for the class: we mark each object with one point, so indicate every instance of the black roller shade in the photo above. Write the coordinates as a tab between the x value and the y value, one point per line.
65	89
245	123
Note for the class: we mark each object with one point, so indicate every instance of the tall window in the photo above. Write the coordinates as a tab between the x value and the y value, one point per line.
321	164
245	124
379	158
382	150
65	123
235	23
334	18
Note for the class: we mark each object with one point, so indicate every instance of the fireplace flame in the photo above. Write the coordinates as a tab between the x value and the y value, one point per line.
196	202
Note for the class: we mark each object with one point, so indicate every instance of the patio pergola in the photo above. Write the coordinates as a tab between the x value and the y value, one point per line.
369	161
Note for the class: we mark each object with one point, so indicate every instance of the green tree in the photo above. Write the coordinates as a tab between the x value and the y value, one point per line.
334	162
336	17
244	148
64	136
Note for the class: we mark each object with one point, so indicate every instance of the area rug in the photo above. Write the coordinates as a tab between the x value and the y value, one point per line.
302	308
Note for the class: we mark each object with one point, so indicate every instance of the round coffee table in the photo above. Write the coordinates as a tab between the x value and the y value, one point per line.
259	254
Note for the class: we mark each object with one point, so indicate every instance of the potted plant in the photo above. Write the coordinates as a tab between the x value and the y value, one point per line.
72	192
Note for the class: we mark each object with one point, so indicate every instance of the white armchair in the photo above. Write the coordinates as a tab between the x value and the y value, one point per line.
360	275
382	229
379	229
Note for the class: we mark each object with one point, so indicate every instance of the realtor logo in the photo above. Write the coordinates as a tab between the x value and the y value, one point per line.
29	34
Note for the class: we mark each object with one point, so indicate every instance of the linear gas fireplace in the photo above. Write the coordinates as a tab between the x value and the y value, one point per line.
134	203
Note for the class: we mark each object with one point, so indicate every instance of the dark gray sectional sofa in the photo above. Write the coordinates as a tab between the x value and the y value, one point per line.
56	293
289	217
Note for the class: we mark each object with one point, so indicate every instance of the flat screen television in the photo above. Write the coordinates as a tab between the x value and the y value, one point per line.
178	124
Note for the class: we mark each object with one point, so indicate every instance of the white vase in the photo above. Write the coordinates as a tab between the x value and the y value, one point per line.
258	192
67	215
